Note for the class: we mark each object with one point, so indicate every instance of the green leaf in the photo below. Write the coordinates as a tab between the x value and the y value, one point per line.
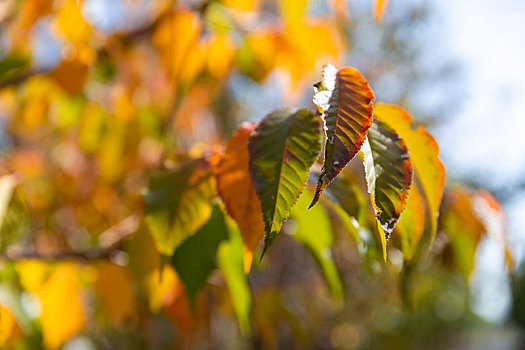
282	149
231	262
178	202
11	64
348	196
195	258
389	175
346	101
314	231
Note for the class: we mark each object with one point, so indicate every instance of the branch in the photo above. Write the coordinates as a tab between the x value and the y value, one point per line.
84	256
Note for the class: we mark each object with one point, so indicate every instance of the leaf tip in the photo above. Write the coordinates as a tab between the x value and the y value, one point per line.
268	240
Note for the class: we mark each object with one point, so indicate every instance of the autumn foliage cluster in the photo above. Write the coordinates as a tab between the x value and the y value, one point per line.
139	208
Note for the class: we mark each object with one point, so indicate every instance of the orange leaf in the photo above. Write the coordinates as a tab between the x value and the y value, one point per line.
70	74
115	291
379	8
237	191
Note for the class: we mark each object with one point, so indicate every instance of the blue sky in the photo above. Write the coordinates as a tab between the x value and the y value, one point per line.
486	138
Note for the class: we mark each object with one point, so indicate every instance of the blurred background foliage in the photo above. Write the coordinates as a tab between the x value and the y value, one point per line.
98	95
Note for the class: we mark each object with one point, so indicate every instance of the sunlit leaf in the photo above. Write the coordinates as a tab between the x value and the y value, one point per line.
220	55
424	153
175	37
282	148
389	175
230	258
346	100
243	5
195	258
293	11
236	189
62	311
9	329
178	203
70	23
7	184
314	230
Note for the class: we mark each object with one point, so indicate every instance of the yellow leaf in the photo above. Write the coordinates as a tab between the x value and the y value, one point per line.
236	189
70	24
62	311
220	55
243	5
9	329
293	11
32	274
115	290
159	285
174	37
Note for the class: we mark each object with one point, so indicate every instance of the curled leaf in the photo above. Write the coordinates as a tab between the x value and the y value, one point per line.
424	153
282	149
346	103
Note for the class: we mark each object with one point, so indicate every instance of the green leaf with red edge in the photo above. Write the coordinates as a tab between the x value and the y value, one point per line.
346	103
389	175
282	149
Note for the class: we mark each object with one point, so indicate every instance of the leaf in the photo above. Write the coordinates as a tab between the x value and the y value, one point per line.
379	8
236	189
70	24
282	149
195	259
346	101
463	227
389	175
230	257
12	64
9	329
178	203
348	196
491	214
60	298
424	153
314	231
412	222
117	306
